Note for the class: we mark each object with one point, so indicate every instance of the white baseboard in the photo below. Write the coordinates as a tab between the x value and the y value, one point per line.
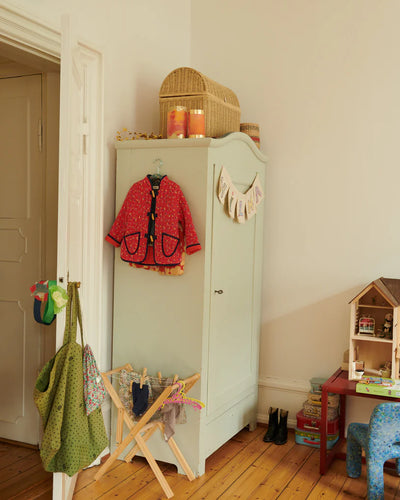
288	394
262	418
289	385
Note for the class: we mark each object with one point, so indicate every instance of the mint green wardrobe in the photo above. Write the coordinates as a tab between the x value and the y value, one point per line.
208	319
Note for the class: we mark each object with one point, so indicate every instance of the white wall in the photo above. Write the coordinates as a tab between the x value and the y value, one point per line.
322	79
141	43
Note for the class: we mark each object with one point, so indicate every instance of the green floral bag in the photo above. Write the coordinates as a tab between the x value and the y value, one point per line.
71	440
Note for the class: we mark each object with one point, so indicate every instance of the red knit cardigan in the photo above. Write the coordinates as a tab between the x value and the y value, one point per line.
148	225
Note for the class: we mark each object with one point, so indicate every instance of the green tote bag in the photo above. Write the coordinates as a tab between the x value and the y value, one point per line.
71	440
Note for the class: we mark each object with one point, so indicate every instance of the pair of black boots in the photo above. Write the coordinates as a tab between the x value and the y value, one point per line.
277	431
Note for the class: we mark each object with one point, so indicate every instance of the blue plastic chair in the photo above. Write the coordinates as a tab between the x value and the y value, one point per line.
380	440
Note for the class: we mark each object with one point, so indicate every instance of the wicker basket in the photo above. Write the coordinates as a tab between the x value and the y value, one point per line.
190	88
253	131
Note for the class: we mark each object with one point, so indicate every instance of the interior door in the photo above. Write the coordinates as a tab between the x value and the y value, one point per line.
21	239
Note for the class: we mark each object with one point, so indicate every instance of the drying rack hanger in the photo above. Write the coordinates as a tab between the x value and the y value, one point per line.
144	377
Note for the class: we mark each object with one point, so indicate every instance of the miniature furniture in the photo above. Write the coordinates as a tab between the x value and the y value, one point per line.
141	430
338	383
208	319
374	329
380	440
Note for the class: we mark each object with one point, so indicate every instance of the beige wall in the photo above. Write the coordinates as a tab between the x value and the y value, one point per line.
141	43
322	79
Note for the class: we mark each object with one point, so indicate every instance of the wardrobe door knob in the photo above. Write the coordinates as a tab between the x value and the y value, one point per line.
218	291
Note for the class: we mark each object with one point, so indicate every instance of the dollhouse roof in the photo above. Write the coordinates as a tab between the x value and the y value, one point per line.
388	287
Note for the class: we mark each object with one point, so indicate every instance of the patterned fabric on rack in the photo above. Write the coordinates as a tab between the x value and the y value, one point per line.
155	389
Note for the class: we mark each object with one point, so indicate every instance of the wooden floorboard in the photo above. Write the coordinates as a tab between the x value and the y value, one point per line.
244	468
10	453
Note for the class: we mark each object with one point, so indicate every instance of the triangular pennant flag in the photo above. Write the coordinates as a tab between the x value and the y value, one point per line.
258	190
240	205
223	185
240	208
251	207
232	200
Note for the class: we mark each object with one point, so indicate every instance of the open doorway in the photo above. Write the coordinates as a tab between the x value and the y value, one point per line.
29	130
80	234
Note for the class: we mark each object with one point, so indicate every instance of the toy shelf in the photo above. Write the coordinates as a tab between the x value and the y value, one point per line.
370	338
375	307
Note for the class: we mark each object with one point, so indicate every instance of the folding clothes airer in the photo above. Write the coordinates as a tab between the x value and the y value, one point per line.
143	428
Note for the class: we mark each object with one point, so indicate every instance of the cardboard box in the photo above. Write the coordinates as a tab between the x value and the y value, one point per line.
313	424
313	439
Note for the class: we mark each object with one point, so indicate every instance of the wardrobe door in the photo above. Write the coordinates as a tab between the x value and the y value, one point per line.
233	350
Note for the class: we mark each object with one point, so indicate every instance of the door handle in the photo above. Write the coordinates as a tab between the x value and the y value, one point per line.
219	291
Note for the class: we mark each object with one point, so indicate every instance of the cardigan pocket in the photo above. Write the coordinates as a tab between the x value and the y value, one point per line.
169	244
132	242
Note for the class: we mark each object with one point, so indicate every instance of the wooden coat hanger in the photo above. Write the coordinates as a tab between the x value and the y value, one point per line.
143	378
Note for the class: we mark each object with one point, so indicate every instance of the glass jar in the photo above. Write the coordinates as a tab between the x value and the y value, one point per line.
177	123
196	123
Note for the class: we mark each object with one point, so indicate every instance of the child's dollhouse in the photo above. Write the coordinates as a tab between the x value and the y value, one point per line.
374	330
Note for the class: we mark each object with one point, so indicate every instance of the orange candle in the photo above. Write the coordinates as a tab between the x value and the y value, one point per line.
177	123
196	123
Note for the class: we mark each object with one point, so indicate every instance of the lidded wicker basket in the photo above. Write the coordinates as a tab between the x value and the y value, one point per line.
188	87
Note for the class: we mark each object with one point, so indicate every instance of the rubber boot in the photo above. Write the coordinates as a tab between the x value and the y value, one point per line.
272	431
281	436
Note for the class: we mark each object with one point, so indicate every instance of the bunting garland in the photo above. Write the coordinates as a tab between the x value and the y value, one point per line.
241	206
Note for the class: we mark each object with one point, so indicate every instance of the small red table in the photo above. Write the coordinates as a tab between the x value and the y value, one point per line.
338	383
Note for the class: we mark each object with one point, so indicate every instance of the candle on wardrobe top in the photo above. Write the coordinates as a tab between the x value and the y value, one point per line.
196	123
177	123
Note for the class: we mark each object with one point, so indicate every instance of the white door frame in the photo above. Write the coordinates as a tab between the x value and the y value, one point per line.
21	31
25	33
